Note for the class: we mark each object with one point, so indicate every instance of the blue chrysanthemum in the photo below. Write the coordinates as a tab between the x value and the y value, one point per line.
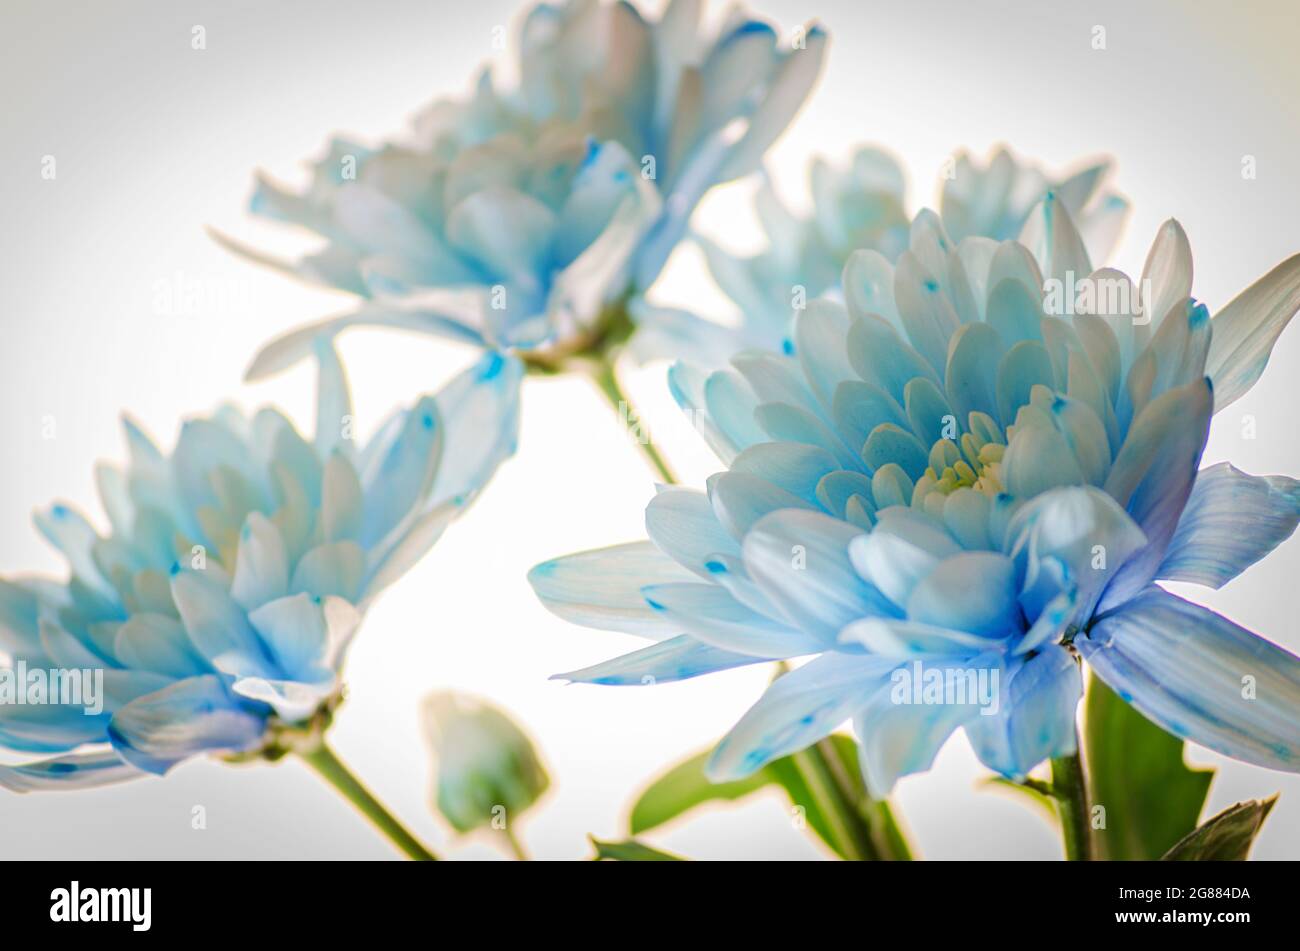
523	218
220	605
862	206
981	463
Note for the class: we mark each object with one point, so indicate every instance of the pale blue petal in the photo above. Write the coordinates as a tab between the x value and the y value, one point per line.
972	371
261	565
1201	677
294	630
972	591
897	739
67	773
1169	269
480	414
190	717
799	709
1153	476
1035	719
859	407
800	560
794	467
926	312
1084	530
681	522
158	643
333	401
712	615
1246	329
334	568
678	658
740	499
821	333
218	627
406	473
1231	521
341	500
905	547
602	588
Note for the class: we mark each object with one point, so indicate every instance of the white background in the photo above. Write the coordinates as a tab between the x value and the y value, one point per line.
153	140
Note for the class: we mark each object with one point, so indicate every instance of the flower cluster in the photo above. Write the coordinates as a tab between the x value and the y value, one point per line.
516	219
217	611
946	472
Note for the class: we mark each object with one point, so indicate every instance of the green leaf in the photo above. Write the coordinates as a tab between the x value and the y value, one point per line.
629	850
683	788
1225	838
1137	774
872	827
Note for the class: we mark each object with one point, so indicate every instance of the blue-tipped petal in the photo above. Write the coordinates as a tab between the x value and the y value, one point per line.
67	773
799	709
712	615
678	658
1201	677
682	523
602	588
1231	521
480	413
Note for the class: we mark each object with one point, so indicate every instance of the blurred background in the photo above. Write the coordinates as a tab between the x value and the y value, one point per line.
114	298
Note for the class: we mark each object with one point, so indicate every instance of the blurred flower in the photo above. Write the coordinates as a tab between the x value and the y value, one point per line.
488	772
236	572
863	206
967	469
522	219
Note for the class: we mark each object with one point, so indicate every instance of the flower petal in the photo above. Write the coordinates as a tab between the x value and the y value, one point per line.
678	658
1201	677
800	560
602	588
799	709
1231	521
64	773
193	716
1035	719
1246	329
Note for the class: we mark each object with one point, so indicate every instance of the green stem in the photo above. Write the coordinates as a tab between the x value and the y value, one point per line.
331	768
516	847
606	380
848	827
1070	788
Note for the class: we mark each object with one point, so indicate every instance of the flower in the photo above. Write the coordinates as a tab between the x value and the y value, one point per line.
488	772
861	207
219	607
948	474
523	218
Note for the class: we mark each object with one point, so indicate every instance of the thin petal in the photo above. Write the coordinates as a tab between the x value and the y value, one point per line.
1201	677
799	709
1246	329
1231	521
602	588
